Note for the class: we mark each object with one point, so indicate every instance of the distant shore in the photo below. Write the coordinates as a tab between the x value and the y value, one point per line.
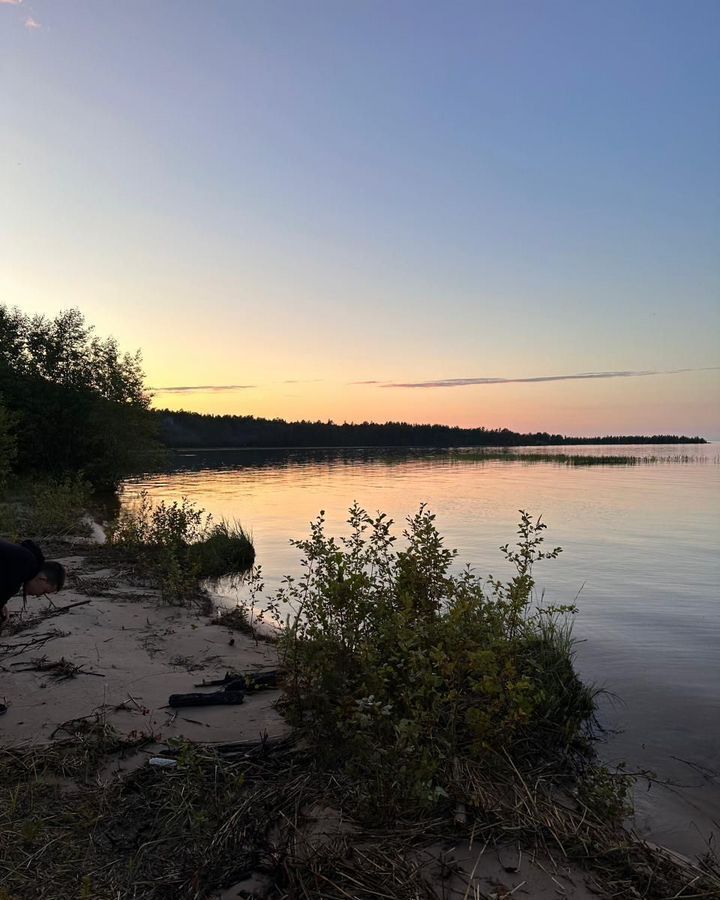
182	429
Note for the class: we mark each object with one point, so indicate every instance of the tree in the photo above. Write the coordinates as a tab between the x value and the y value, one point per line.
78	402
8	443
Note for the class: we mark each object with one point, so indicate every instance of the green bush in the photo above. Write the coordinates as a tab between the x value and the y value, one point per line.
397	666
178	544
160	525
57	507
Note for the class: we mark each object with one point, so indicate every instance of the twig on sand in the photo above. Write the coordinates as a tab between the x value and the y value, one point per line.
249	681
707	773
60	669
130	699
24	624
57	610
38	641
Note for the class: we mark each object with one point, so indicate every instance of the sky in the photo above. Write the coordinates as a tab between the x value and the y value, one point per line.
376	210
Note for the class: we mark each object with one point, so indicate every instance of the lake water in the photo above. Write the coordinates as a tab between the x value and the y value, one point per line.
640	546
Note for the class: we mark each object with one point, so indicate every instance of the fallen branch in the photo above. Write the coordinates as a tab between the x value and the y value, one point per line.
217	698
245	681
57	610
38	641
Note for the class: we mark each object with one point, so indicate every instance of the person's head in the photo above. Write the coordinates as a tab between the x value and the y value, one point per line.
48	580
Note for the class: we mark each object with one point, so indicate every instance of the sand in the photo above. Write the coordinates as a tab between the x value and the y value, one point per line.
134	652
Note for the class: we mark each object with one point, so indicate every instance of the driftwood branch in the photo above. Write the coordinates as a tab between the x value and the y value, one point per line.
217	698
57	610
245	681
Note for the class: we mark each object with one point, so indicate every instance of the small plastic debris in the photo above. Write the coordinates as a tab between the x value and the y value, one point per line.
161	762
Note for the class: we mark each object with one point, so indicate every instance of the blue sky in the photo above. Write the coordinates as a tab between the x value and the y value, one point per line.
301	196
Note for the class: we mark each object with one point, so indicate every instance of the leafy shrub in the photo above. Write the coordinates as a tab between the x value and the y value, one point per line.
178	544
160	525
58	507
397	667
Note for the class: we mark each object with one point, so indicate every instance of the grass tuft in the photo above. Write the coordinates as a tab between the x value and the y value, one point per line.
224	549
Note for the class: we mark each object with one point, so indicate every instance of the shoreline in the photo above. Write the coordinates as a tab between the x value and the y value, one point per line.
129	652
479	447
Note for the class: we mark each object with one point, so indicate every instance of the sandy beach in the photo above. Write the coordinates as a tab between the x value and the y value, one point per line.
133	653
128	652
108	650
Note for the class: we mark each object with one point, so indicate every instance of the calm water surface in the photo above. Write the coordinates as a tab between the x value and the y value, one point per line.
640	546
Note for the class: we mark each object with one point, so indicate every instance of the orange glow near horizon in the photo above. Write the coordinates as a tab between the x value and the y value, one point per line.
631	405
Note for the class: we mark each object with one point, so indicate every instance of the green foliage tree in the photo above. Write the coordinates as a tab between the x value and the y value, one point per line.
78	401
8	443
64	351
189	429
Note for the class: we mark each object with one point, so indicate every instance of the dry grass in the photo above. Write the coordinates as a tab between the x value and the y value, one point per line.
58	669
544	811
224	813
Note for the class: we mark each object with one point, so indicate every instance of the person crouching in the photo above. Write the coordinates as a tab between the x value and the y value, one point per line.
24	566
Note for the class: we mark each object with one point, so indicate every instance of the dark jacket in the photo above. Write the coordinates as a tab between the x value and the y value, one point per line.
18	564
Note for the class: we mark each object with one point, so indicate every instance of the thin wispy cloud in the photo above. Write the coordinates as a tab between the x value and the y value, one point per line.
580	376
30	21
223	388
202	388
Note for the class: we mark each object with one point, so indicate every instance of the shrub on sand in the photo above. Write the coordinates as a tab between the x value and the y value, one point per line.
51	507
176	545
398	667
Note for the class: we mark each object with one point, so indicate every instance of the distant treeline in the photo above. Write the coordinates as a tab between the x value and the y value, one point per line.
187	429
71	403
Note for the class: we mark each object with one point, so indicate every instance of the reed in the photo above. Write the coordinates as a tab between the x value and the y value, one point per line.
578	459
